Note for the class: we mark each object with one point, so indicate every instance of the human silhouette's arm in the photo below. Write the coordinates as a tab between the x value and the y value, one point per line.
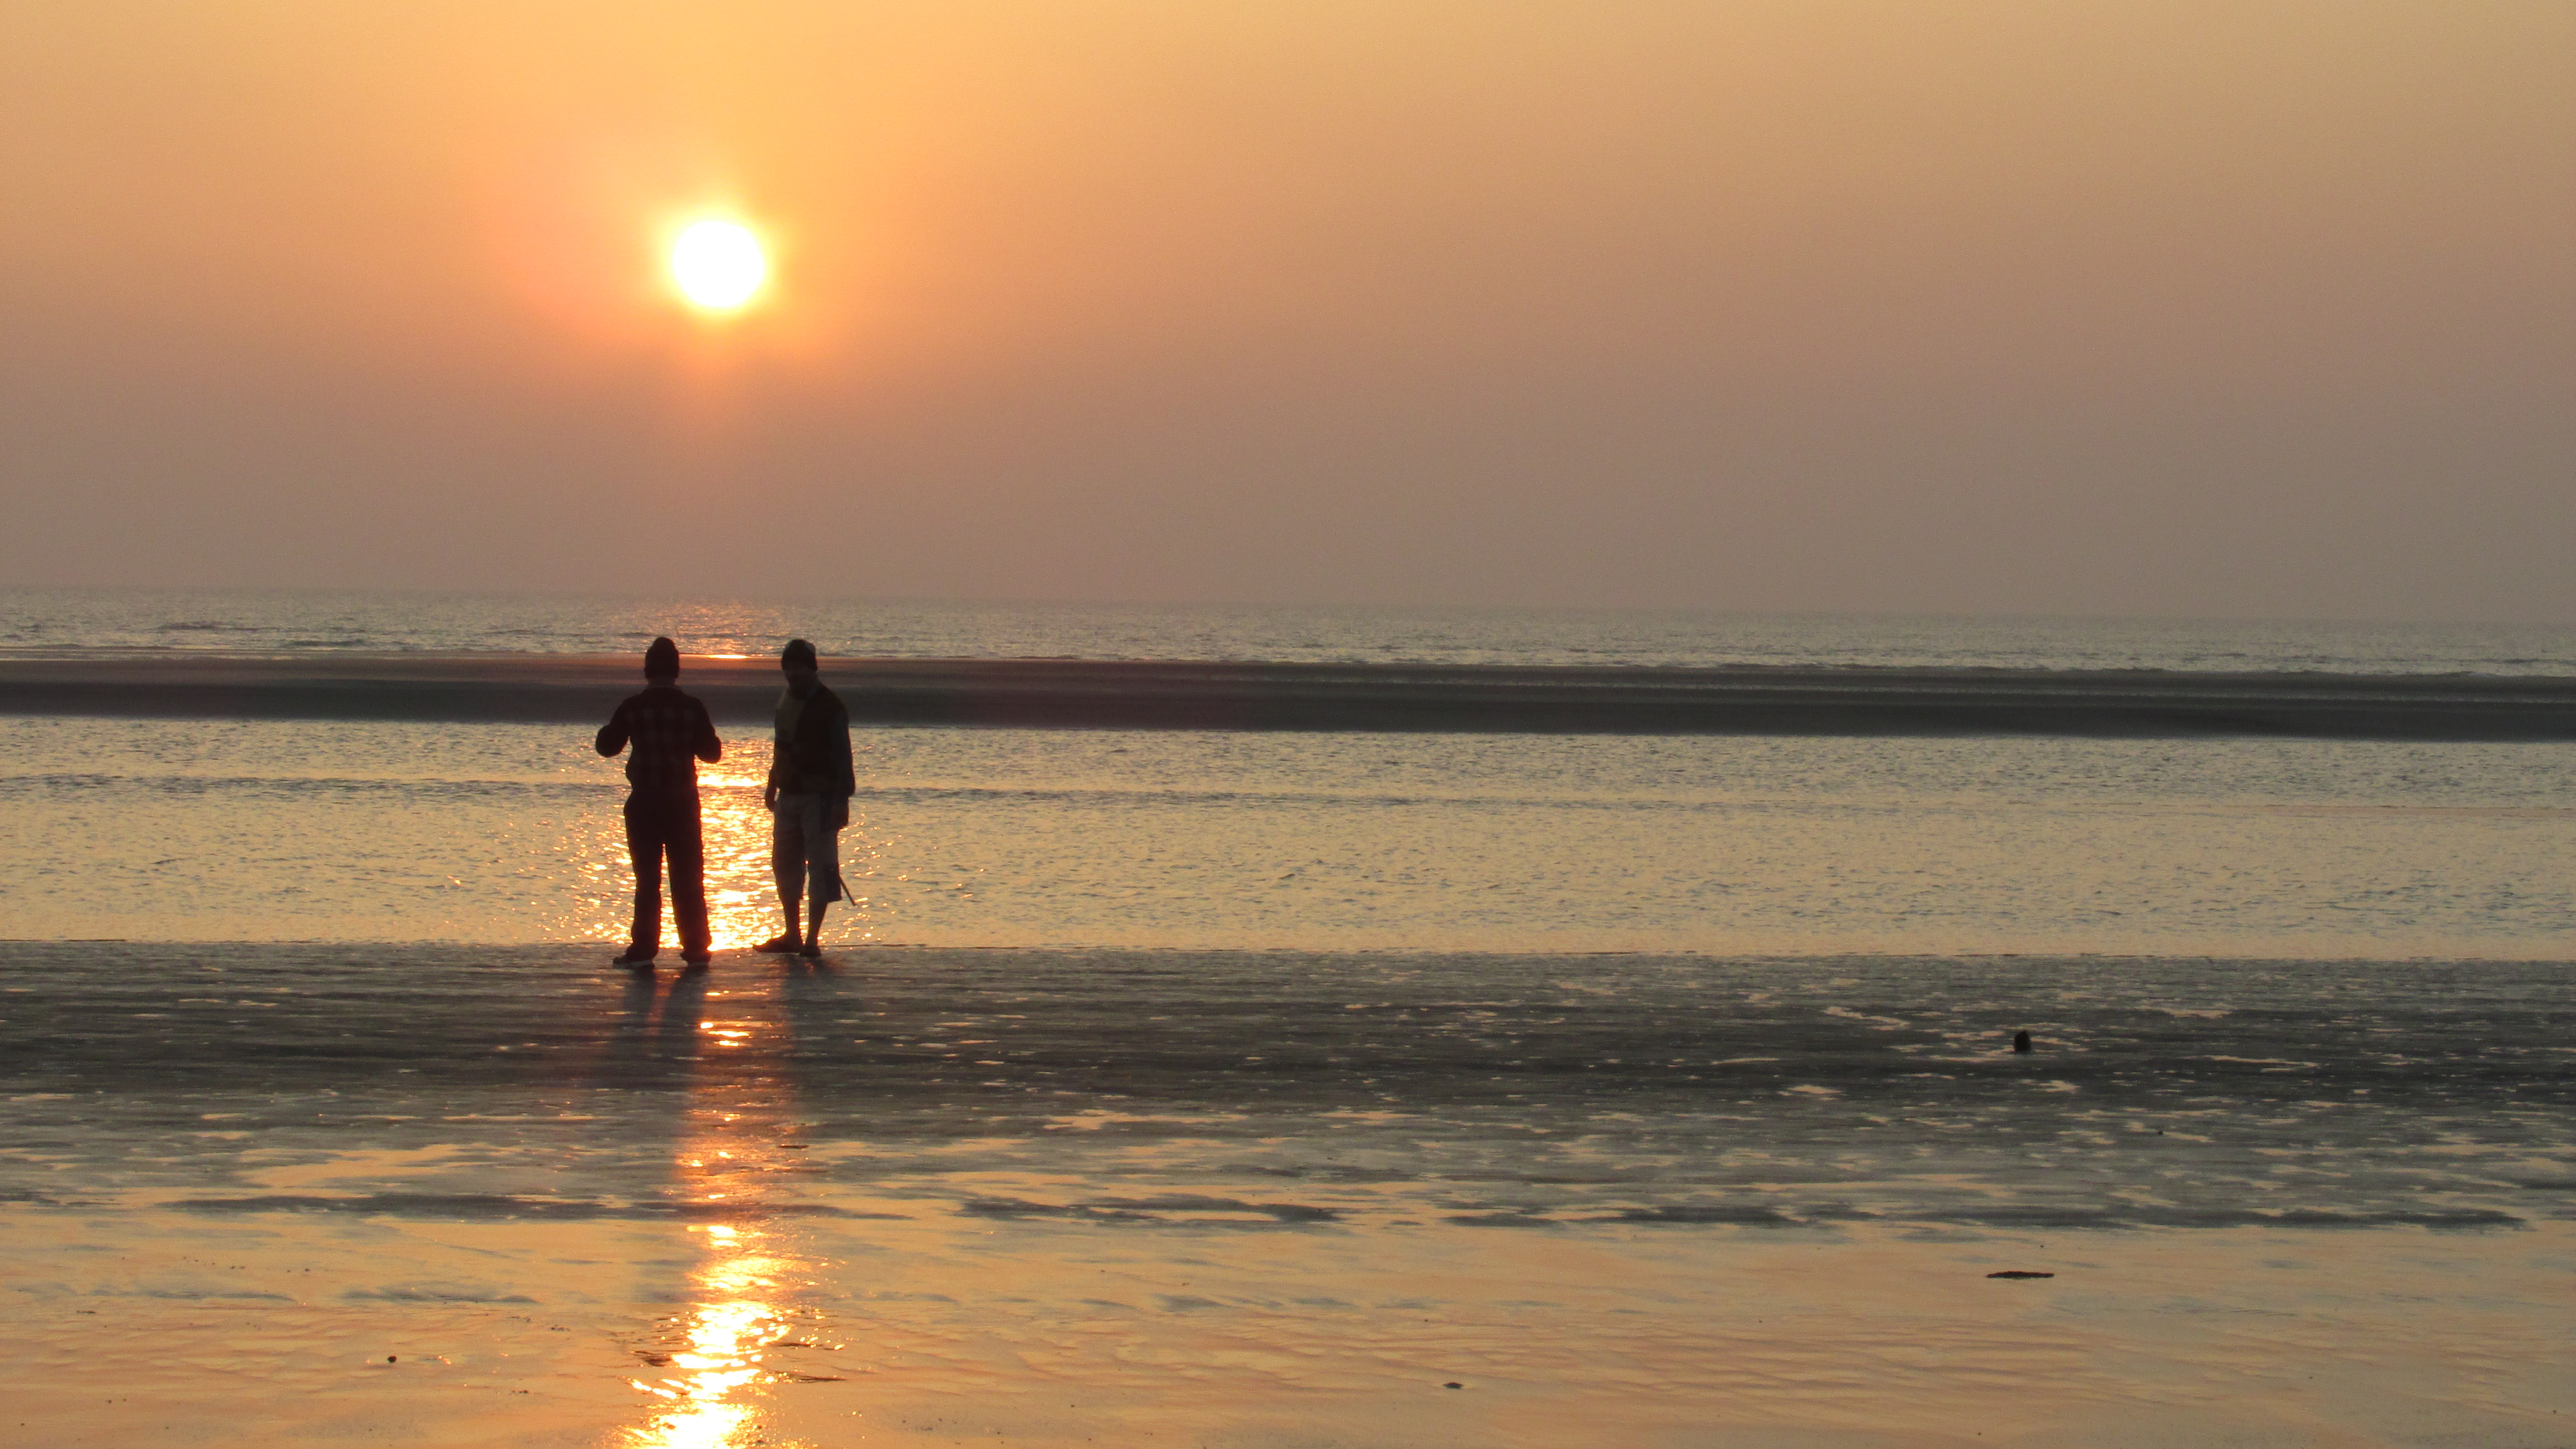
612	735
849	782
708	747
841	748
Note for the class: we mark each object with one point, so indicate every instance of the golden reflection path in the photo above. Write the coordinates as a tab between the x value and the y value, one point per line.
742	895
719	1358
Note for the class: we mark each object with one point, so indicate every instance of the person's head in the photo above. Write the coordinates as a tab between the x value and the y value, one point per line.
798	663
662	662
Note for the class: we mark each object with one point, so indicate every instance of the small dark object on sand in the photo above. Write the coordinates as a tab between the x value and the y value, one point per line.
2019	1273
1453	1384
389	1358
2021	1041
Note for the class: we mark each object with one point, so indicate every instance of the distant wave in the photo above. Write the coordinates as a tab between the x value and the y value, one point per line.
75	622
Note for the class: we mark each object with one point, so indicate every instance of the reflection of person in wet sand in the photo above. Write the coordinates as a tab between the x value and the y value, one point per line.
671	733
810	785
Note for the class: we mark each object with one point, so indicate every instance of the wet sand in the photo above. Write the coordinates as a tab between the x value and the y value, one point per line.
1264	1199
1187	695
398	1332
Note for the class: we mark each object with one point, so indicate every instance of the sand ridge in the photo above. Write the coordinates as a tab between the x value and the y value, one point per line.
1182	694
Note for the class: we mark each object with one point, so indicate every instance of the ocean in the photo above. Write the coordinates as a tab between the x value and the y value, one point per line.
1289	1088
344	830
72	623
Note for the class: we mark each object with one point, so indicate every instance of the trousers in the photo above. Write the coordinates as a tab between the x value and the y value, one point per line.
665	826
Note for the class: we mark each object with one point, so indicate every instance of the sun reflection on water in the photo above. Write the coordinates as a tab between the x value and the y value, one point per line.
725	1337
742	898
719	1359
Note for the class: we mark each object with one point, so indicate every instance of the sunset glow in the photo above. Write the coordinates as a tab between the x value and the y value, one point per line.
718	265
1760	307
894	725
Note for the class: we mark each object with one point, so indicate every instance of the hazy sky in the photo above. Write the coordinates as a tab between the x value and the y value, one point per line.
2237	307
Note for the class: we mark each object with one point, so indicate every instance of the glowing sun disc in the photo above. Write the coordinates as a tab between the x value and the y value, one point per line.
718	264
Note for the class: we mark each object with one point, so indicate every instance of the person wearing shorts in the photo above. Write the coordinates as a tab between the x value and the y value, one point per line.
810	784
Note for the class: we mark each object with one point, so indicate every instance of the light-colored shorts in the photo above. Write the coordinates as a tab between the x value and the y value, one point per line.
802	841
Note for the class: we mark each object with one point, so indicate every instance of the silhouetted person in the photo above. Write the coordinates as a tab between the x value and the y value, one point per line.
810	785
671	733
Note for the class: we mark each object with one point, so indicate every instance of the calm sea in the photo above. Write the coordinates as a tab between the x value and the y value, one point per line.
505	834
74	623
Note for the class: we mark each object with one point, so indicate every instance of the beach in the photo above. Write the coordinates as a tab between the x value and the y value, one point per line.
1244	1076
458	1195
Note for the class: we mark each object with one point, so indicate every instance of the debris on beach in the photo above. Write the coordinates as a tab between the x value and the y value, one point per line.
2019	1273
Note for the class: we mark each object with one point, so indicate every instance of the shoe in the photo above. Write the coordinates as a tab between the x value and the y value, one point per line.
778	946
696	960
638	956
810	950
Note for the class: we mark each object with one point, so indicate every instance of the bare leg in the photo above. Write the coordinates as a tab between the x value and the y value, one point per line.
787	870
822	877
791	895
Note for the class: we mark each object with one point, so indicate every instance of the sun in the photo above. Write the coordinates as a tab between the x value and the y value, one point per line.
718	265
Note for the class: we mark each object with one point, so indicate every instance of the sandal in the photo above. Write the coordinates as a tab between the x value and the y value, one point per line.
780	946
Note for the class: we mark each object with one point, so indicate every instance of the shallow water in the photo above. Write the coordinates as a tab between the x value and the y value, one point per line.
1258	1200
249	830
1283	1088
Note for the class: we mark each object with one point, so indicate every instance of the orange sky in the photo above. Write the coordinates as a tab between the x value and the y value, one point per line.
2118	307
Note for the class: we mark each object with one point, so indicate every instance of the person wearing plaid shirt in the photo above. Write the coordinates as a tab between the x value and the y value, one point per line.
670	732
